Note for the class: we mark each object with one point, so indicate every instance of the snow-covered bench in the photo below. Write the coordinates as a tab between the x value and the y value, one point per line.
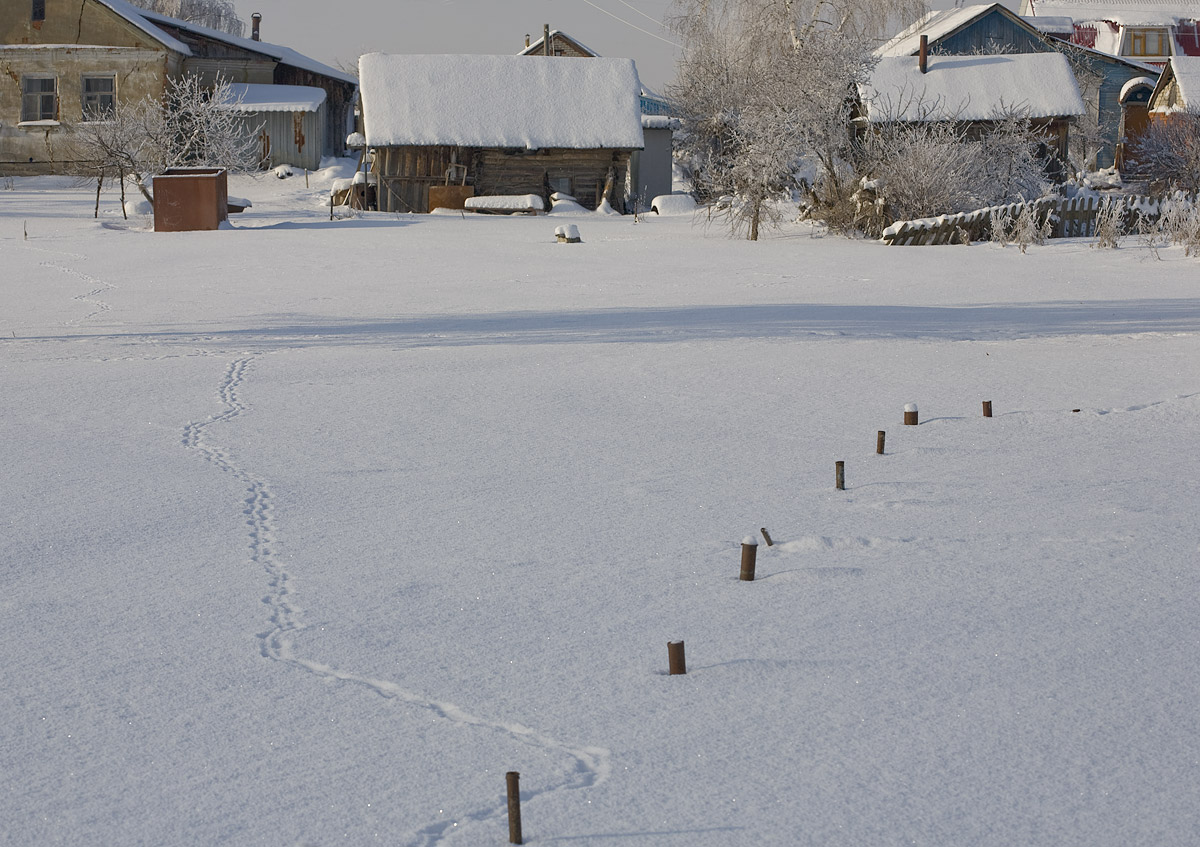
506	204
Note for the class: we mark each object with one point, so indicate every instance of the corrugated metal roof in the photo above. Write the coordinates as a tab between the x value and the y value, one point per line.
258	97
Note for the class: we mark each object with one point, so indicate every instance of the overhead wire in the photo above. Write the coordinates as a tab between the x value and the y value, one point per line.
631	25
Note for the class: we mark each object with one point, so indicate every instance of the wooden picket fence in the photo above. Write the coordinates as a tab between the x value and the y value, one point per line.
1069	218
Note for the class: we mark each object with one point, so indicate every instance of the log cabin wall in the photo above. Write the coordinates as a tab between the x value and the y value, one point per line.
405	174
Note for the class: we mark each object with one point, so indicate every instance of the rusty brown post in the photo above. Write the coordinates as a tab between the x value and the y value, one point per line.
910	414
513	779
840	475
987	408
879	439
675	659
749	556
767	537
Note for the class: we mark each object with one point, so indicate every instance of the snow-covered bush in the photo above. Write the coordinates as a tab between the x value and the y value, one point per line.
1179	223
1027	229
1169	150
1110	223
922	169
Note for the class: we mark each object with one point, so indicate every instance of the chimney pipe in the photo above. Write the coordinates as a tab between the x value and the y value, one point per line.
546	39
255	20
526	40
923	56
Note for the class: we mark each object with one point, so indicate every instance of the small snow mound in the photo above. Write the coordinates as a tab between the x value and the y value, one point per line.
565	204
751	540
138	206
283	171
910	407
355	140
606	209
673	204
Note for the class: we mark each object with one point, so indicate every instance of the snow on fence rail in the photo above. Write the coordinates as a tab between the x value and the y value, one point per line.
1069	218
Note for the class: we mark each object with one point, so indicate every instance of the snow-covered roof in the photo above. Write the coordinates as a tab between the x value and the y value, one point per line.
135	16
1136	82
1185	70
278	52
1126	12
935	25
1187	74
1054	26
535	48
500	101
257	97
660	122
971	88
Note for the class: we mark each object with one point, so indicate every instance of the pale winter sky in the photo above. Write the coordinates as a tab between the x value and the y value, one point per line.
338	32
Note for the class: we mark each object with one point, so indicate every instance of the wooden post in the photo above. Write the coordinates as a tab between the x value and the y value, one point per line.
840	475
675	659
513	778
987	408
99	182
879	439
767	537
910	414
749	556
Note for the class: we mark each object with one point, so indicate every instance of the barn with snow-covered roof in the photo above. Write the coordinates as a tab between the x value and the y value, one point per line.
499	125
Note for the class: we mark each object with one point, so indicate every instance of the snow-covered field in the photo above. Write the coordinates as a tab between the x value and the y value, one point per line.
311	531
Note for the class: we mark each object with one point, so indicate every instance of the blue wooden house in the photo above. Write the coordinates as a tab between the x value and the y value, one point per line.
1104	80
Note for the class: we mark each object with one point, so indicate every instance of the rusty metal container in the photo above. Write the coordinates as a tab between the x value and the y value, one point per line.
187	199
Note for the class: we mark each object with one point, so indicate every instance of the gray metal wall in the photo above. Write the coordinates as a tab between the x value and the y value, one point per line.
650	168
292	138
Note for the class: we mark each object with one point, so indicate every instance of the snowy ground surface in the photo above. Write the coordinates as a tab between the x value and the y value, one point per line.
312	530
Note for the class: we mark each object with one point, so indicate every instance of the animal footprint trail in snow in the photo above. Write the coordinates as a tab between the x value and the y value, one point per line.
590	765
91	297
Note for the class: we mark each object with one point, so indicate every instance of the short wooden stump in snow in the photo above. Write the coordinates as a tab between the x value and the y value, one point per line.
568	234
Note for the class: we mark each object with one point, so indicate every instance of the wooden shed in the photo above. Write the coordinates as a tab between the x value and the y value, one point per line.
499	125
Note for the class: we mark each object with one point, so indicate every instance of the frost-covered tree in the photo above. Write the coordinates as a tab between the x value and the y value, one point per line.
1169	150
193	125
764	92
214	14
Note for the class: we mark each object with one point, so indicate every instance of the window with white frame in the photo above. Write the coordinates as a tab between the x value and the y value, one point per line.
99	96
39	101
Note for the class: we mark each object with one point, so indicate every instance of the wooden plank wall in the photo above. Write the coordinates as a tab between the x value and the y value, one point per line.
405	173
